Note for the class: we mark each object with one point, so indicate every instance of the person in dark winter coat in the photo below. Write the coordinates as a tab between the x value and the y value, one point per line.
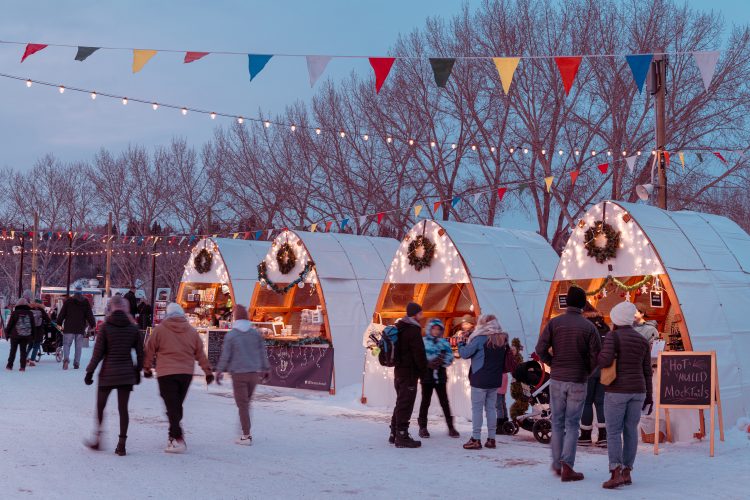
132	301
20	331
41	323
486	348
74	316
594	389
628	395
145	313
117	339
410	366
439	357
570	344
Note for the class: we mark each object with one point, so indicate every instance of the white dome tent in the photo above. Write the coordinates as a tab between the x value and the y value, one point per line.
332	302
475	270
689	270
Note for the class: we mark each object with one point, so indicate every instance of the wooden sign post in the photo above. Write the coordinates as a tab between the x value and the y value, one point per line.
687	381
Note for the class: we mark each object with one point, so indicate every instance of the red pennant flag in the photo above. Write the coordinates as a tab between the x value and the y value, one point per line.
381	66
32	48
328	226
719	156
501	192
436	205
666	157
247	235
380	217
574	176
568	67
194	56
603	168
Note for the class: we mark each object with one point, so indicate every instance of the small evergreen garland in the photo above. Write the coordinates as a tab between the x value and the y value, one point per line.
428	252
286	258
203	261
608	251
266	281
300	342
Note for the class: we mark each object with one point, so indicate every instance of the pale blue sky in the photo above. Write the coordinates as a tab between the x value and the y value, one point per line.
39	120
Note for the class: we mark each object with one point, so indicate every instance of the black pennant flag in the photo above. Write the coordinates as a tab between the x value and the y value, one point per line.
441	67
84	52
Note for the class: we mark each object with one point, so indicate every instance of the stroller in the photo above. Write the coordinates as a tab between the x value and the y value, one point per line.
535	379
52	343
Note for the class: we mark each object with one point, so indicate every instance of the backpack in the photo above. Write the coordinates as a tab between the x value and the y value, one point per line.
386	344
24	326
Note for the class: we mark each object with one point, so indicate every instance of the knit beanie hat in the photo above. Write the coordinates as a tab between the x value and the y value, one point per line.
412	309
623	314
576	297
174	309
435	322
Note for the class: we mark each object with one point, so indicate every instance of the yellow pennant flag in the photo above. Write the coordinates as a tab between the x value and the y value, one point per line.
506	68
682	159
141	57
313	227
548	182
417	210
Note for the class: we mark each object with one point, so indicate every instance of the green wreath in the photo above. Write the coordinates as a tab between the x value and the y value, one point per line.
608	251
266	281
203	261
426	248
286	258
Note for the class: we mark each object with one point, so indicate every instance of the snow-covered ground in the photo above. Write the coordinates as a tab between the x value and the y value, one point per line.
306	445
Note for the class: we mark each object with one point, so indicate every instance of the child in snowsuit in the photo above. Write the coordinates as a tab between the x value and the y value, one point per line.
439	357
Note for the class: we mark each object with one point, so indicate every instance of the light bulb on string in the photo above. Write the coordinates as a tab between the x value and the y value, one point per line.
213	116
544	151
240	120
366	137
624	152
411	142
267	124
525	151
317	131
510	150
293	128
61	89
492	149
154	106
453	146
124	101
28	83
593	152
342	134
184	111
560	152
473	147
389	140
638	153
577	152
93	96
609	153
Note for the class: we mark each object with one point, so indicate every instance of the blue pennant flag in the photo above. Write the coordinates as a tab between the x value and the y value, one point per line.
639	65
256	63
258	234
455	201
344	222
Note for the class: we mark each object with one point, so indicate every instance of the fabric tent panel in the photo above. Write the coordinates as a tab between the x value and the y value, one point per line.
531	298
482	260
386	248
363	256
242	256
734	238
243	291
699	303
332	264
497	297
706	241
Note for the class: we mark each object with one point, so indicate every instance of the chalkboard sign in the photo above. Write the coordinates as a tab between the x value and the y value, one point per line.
685	380
215	344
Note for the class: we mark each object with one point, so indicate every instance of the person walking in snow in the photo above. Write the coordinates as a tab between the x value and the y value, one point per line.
628	395
594	390
20	331
244	356
132	301
410	366
118	337
175	346
41	323
439	357
486	348
74	316
570	344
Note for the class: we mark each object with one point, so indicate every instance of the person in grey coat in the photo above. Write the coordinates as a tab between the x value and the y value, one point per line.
244	356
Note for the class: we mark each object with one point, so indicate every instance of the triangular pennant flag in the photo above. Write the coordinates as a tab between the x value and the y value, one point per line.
506	68
682	159
639	65
313	227
141	57
32	48
574	176
181	240
666	157
328	226
344	222
630	160
381	66
548	182
380	217
246	235
269	233
435	206
316	65
194	56
706	62
455	201
476	198
362	220
234	236
84	52
700	157
719	156
501	193
603	167
441	69
417	210
568	67
256	63
258	234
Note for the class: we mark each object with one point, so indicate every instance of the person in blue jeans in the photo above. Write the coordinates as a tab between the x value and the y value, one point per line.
628	395
570	344
486	348
594	391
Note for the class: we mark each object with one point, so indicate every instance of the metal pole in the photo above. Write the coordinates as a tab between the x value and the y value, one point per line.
34	248
70	257
659	67
20	271
108	270
153	278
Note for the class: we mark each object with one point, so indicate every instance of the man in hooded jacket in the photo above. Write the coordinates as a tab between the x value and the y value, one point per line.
74	316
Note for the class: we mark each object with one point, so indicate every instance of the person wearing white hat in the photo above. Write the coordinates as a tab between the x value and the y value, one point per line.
628	395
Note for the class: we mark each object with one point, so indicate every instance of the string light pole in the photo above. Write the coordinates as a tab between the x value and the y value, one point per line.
108	270
659	91
70	257
20	271
34	257
154	255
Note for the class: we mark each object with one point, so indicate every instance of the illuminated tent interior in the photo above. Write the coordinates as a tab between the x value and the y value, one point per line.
690	272
334	299
475	270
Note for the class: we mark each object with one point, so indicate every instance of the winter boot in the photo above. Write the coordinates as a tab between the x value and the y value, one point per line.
30	363
601	439
65	365
404	440
473	444
626	479
176	446
615	481
94	442
120	450
76	366
585	438
501	425
490	443
245	440
424	433
452	432
392	437
9	367
567	473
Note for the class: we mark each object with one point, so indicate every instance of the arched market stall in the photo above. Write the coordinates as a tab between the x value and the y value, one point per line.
454	269
315	295
689	271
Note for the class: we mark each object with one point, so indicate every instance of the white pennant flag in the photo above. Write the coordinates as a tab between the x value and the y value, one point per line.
706	62
316	65
476	198
362	220
630	160
268	235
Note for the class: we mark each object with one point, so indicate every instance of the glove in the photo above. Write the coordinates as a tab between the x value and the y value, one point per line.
209	378
148	373
137	377
219	377
89	378
648	403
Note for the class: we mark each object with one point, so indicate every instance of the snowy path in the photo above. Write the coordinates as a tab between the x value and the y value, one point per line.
306	446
